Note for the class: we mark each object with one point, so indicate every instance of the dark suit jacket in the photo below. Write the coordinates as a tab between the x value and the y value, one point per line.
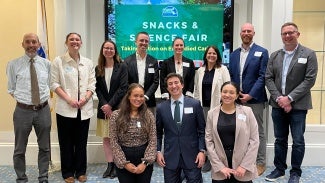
151	80
253	78
118	88
301	76
168	66
188	141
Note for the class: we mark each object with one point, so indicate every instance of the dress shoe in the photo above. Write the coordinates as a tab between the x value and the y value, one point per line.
260	169
43	181
113	172
82	178
69	180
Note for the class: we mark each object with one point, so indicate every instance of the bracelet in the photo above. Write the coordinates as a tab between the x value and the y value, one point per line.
145	162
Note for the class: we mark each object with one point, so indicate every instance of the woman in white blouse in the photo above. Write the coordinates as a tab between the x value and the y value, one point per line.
73	80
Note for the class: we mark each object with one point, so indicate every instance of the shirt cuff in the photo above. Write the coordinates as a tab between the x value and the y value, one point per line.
165	95
146	97
189	94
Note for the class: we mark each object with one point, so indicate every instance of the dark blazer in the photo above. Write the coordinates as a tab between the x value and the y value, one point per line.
168	66
151	80
118	88
188	141
253	78
301	77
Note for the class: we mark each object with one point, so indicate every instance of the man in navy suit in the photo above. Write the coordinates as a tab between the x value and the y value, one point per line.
143	69
247	67
183	130
290	74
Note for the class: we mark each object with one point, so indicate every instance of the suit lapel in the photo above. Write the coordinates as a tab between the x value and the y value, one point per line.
170	115
171	65
185	69
103	81
148	64
215	79
295	58
249	56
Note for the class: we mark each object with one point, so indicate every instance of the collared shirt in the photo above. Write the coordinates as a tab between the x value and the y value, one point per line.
19	84
288	55
181	106
243	56
141	65
179	68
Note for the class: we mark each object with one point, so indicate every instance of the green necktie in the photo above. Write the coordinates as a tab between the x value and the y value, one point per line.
177	115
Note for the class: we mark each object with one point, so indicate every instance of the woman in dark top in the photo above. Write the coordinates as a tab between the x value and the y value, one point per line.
232	139
111	86
180	65
207	84
133	137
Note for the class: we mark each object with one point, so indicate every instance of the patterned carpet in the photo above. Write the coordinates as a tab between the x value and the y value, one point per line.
311	174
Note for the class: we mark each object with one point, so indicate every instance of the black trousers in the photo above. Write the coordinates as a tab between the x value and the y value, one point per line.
73	136
134	155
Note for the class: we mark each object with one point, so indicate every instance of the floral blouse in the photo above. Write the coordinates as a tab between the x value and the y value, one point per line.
134	137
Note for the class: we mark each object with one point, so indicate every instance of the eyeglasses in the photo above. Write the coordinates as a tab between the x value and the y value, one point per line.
290	33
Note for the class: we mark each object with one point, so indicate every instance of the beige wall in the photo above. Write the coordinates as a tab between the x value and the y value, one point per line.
310	18
17	18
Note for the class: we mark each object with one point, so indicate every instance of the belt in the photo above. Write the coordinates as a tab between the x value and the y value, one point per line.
32	107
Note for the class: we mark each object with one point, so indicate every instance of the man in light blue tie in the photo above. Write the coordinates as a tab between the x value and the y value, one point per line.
181	120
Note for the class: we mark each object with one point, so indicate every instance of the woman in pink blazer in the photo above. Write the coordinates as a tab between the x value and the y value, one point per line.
231	137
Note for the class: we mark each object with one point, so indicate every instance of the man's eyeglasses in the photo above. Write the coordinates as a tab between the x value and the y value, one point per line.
288	33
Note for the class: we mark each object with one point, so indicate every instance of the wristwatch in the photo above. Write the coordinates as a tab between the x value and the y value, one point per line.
145	162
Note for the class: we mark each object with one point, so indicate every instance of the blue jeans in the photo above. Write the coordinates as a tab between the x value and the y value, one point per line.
282	121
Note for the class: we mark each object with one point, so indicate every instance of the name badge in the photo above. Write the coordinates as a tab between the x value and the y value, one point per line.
257	54
188	110
302	60
68	69
151	70
138	124
185	64
242	117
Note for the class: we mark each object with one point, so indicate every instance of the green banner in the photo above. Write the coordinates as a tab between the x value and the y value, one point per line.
199	26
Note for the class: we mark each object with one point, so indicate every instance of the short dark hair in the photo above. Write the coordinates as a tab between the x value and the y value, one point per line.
145	33
173	74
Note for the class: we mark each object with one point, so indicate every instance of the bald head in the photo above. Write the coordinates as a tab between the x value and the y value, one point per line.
247	33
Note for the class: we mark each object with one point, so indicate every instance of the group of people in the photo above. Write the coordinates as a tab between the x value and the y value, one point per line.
210	118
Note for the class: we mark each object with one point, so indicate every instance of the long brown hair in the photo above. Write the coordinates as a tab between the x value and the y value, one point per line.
123	119
102	59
